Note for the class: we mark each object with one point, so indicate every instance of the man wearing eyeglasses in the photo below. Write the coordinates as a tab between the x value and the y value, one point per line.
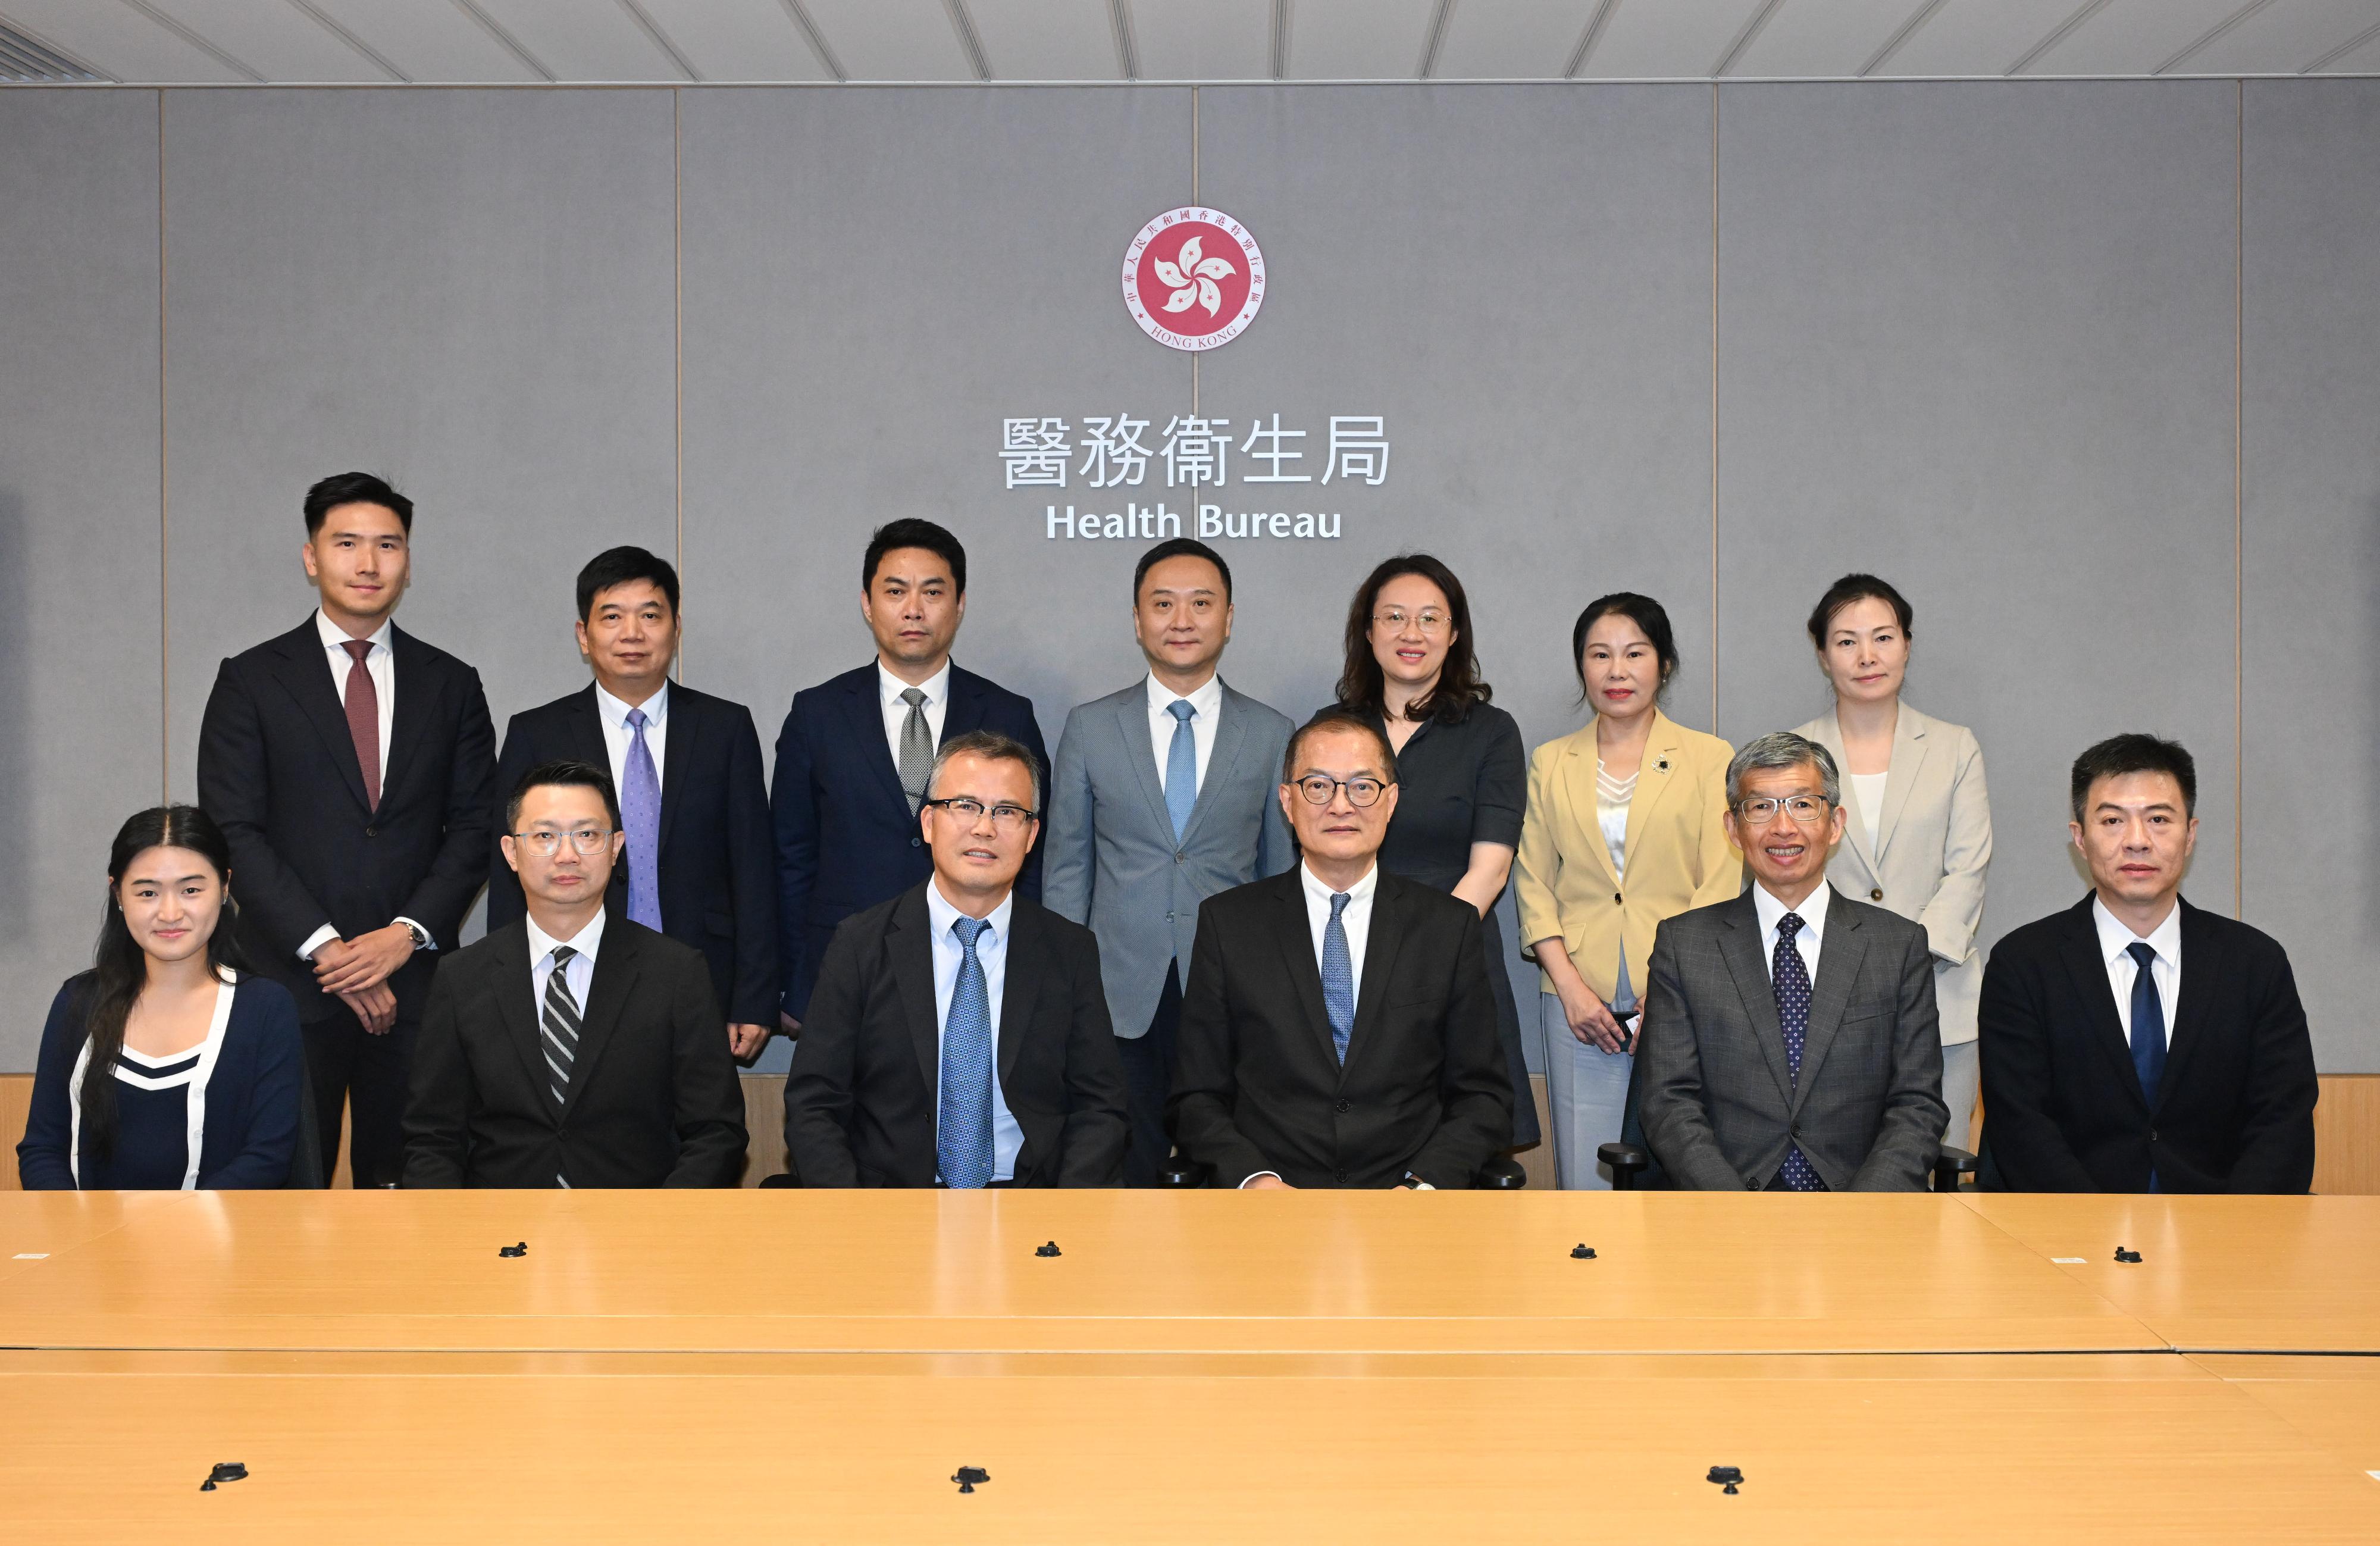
958	1034
1789	1040
572	1047
1338	1028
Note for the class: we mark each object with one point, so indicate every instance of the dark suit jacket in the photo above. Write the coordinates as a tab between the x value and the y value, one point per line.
654	1101
1719	1106
1256	1086
718	875
2063	1109
845	837
863	1092
277	769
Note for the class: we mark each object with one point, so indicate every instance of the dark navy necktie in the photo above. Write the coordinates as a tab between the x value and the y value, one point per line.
2148	1023
1791	979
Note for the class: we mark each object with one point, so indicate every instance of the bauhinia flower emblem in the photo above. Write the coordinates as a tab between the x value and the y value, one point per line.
1193	278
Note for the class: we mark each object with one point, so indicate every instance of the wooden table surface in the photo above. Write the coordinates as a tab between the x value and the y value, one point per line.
951	1272
739	1447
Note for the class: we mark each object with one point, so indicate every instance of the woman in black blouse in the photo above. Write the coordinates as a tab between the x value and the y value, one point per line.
1462	773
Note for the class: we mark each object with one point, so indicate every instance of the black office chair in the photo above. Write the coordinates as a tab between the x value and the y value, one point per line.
1633	1167
306	1164
1500	1174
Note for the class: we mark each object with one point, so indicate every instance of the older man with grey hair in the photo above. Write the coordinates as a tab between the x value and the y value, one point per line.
1790	1042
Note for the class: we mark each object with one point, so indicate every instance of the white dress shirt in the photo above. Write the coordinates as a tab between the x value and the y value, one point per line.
579	975
380	662
613	714
2116	940
1356	921
1207	703
889	689
991	954
1812	914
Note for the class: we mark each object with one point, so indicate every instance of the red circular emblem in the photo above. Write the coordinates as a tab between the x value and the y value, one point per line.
1193	278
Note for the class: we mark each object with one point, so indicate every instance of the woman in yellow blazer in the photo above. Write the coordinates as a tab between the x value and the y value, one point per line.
1918	837
1623	828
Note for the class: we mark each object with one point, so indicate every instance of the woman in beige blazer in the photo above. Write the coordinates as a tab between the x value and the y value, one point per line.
1918	837
1623	828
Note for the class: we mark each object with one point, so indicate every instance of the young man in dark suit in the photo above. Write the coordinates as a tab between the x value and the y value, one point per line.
573	1047
1337	1027
348	764
2134	1042
686	767
856	751
958	1034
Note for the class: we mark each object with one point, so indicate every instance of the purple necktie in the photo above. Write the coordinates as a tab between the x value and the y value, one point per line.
640	807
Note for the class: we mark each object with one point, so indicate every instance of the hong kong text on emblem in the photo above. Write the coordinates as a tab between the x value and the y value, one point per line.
1193	278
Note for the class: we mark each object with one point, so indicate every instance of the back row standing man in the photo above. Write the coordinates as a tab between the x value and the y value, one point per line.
349	765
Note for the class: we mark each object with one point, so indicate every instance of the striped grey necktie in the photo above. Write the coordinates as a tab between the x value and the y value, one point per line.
561	1023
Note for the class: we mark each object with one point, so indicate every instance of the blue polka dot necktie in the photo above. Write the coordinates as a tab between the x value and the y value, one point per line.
1181	767
1791	981
1338	977
963	1126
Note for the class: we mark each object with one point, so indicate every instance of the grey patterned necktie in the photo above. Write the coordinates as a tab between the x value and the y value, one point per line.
917	750
561	1022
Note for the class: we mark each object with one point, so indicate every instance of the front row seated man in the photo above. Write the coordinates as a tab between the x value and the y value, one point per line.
572	1047
958	1034
1338	1028
1789	1040
2133	1043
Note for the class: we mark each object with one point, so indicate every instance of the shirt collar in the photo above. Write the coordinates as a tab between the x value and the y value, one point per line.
334	639
614	710
1208	699
587	942
890	688
1811	912
943	914
2115	937
1360	892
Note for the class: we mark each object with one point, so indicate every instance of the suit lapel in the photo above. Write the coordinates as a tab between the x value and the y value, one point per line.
1139	752
910	943
1739	946
1908	747
1840	950
1854	830
865	710
616	966
1577	789
1380	947
2202	969
676	750
516	1005
1019	987
415	692
963	710
1654	777
2088	971
1231	730
304	673
1296	934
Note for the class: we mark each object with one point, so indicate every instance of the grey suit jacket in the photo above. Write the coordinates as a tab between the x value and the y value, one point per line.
1109	858
1719	1109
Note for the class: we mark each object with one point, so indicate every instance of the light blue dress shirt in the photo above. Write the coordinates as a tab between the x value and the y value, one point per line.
992	953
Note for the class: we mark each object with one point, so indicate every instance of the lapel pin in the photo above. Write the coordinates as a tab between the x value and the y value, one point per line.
1661	765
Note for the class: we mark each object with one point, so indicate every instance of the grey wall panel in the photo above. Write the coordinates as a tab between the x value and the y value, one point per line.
472	292
1978	339
873	279
2311	485
1518	279
79	625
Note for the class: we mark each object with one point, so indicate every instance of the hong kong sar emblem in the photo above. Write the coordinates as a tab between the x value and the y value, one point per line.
1193	278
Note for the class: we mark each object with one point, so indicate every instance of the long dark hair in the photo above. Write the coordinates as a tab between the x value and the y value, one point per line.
119	967
1363	688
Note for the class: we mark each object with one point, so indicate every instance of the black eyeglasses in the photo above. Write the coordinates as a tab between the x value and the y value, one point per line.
1321	788
1005	817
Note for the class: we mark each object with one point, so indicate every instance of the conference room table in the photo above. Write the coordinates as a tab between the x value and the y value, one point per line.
1187	1366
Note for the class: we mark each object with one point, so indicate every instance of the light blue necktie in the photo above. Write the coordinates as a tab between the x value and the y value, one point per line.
962	1129
640	807
1181	767
1338	977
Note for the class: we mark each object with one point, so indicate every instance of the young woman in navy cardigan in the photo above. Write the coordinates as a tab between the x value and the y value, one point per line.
166	1065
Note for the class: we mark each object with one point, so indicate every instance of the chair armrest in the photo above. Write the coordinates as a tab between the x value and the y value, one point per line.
1500	1174
1627	1162
768	1183
1950	1166
1181	1174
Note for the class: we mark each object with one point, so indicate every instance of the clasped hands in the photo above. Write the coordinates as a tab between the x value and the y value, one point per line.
357	970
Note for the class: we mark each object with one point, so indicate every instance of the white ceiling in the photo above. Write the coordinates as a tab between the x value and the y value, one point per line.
451	42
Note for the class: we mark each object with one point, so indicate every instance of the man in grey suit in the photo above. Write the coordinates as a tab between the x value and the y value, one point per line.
1789	1040
1163	795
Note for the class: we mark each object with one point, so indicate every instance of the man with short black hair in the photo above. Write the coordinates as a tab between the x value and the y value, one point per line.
699	866
1337	1027
857	750
572	1047
1165	794
2133	1043
348	764
958	1034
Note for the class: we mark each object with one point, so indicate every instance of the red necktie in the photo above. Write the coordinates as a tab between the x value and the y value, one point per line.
363	718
